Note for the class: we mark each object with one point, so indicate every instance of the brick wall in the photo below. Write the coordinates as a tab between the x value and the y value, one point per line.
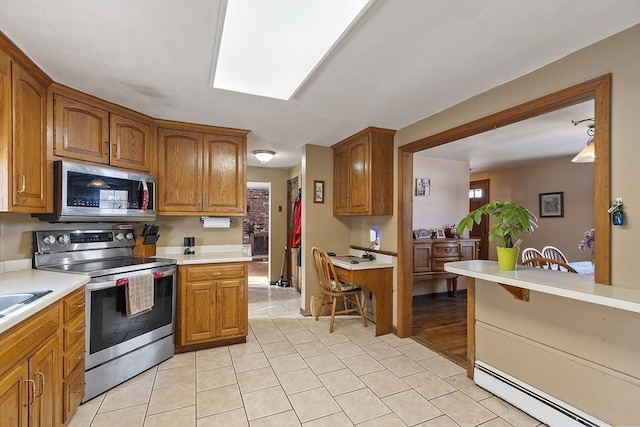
256	219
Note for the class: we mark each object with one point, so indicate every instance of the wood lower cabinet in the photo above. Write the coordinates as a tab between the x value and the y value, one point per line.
30	371
201	170
212	305
24	172
88	129
362	173
73	309
430	255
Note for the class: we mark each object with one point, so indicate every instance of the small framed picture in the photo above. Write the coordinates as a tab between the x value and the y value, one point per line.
552	204
423	186
318	191
440	233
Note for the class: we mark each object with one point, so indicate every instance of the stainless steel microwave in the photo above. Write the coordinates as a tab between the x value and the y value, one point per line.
85	192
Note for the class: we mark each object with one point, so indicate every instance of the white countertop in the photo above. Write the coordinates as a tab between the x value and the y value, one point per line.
204	254
366	265
61	284
569	285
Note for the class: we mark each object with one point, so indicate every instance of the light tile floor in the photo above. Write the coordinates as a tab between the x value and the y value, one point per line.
292	372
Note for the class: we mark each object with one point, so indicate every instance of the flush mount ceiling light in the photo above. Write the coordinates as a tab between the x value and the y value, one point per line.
271	48
587	154
264	155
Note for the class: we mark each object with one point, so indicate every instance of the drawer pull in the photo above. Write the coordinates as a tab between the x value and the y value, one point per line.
216	274
33	392
448	250
41	375
79	331
78	305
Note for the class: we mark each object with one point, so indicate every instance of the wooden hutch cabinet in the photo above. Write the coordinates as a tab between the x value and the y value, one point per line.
430	255
363	173
89	129
201	169
212	307
24	172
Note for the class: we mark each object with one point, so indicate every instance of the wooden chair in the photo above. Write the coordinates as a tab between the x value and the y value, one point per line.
553	253
550	264
529	253
332	289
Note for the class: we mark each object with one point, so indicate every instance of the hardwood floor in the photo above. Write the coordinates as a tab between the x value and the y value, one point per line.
440	323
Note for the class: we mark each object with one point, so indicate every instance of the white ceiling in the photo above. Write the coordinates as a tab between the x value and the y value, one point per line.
403	61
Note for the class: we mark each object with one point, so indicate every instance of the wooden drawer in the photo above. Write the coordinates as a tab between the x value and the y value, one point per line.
438	263
214	272
73	305
73	392
446	250
73	332
73	358
17	342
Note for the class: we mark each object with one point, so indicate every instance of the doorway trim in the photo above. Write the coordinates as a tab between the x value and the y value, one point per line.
598	89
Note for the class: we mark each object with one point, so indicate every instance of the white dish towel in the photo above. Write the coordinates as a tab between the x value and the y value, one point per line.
139	294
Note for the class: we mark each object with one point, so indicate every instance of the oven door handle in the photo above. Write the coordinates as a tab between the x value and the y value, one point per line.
118	280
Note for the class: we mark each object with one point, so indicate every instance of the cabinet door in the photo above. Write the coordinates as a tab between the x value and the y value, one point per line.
179	171
80	131
225	188
29	142
341	165
15	393
421	258
231	308
359	179
199	316
44	369
130	143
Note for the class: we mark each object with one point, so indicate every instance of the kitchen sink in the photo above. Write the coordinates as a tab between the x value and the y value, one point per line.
12	302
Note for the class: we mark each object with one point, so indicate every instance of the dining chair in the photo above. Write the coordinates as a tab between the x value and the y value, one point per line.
554	253
529	253
550	264
333	290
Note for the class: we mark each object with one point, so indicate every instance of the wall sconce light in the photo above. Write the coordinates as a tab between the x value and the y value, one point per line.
588	153
264	155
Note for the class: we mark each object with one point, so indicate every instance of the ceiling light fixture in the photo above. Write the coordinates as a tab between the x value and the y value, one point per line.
264	155
588	153
271	48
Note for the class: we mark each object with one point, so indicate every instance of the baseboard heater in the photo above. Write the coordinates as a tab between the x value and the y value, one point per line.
534	402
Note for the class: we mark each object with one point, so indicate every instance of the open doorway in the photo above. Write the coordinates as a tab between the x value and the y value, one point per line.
255	231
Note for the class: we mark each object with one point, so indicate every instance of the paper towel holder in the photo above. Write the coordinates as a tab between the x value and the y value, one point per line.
203	218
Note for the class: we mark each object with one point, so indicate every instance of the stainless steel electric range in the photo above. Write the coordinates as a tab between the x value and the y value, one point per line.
117	347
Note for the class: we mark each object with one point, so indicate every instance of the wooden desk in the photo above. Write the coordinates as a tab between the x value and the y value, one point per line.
379	280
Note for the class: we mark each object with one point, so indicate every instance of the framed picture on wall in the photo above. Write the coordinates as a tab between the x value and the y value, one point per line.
552	205
318	191
423	187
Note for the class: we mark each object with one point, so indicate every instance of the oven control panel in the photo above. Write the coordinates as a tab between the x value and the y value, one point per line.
63	241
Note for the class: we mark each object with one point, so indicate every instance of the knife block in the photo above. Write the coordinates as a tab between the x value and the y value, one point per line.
141	249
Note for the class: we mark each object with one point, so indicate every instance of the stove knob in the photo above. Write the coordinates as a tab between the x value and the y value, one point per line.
129	236
119	236
63	239
49	240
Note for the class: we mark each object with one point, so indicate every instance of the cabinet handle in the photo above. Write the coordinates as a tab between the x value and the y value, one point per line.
79	357
79	390
33	392
41	375
216	274
23	185
80	330
78	305
106	148
448	250
199	202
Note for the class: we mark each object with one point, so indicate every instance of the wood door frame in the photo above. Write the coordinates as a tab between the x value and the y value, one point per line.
484	225
598	89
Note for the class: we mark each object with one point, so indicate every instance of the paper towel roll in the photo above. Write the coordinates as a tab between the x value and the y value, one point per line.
215	222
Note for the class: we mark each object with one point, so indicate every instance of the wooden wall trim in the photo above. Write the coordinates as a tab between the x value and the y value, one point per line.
201	128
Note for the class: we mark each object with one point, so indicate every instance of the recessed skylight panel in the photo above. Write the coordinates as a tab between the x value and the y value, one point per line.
269	47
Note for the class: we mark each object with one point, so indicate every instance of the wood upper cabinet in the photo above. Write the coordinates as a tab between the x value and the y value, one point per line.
363	173
87	129
212	304
24	180
201	172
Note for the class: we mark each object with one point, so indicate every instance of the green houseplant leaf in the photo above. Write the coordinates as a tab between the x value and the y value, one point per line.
510	220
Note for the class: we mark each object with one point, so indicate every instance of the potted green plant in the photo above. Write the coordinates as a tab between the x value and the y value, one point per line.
509	220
